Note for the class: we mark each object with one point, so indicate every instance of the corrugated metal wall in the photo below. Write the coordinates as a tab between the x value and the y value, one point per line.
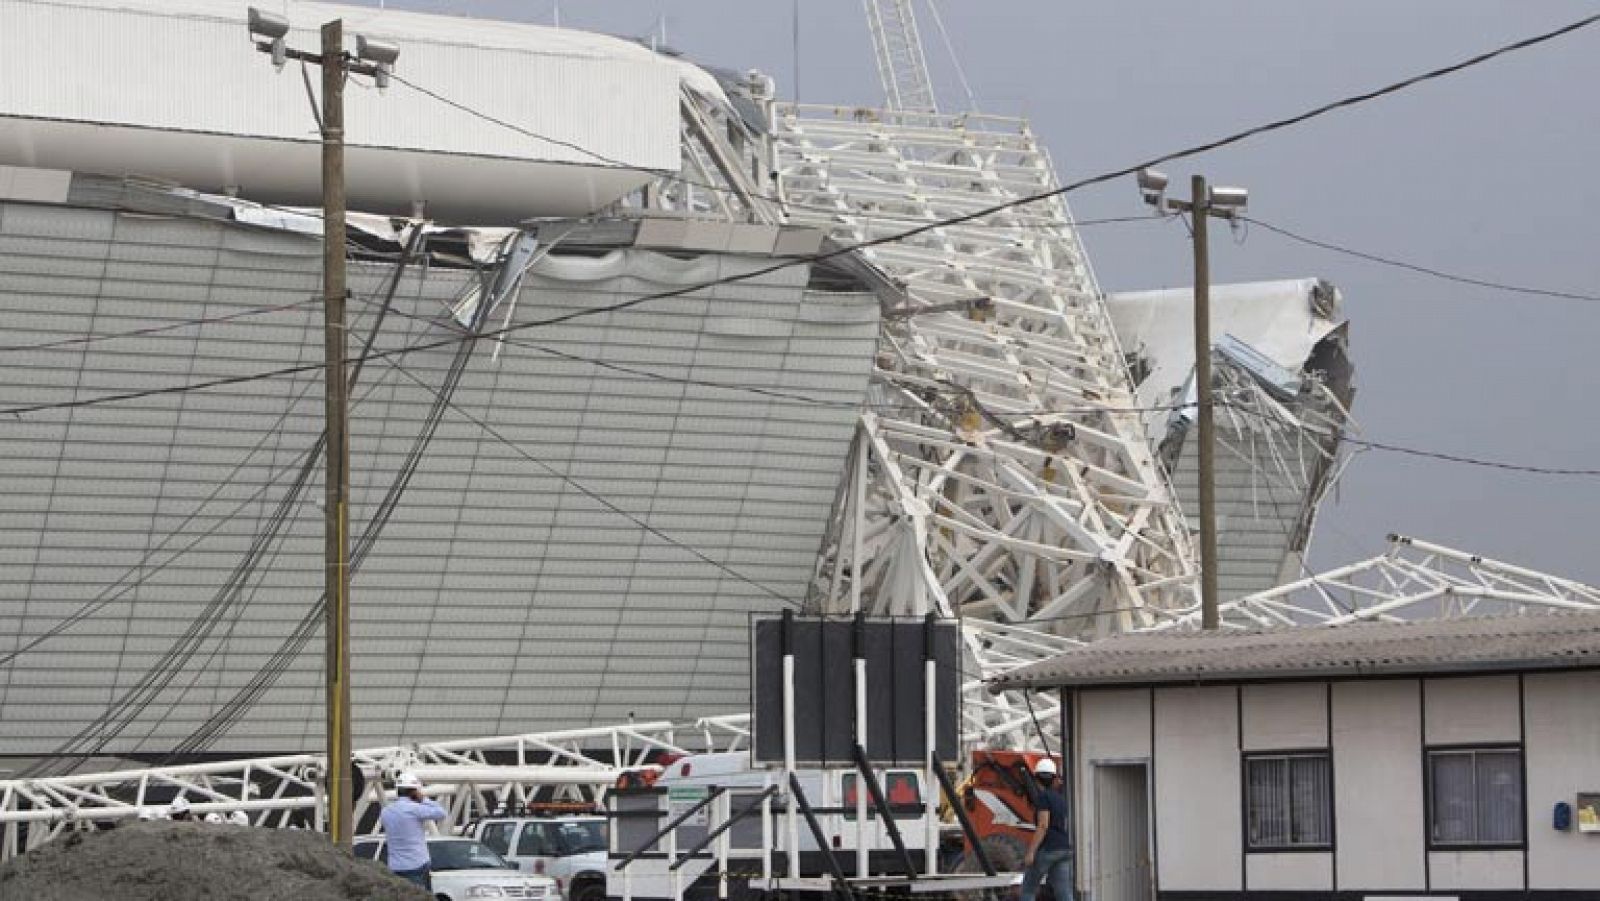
1260	508
500	597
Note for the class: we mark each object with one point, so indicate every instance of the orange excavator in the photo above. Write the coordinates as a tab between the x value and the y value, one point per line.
998	799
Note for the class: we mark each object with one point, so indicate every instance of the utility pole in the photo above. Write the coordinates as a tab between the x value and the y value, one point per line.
1200	204
377	58
1204	202
336	413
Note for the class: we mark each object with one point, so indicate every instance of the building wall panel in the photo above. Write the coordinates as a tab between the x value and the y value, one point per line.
1472	710
1285	716
1197	805
1377	739
1289	872
1563	758
136	513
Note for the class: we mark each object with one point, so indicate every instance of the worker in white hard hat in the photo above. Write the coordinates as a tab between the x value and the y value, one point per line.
1050	853
239	818
213	818
403	822
146	814
179	810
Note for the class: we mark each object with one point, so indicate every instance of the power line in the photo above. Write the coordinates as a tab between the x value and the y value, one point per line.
1194	150
591	493
1420	269
158	329
1470	461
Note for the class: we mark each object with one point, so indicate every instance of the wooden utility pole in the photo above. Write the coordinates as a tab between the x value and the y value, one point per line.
337	497
1200	200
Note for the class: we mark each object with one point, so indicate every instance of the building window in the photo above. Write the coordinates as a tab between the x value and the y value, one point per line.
1475	797
1289	801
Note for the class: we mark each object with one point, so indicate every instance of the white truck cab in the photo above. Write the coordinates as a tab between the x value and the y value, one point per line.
569	849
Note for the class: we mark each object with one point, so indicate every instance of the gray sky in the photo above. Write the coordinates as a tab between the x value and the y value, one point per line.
1487	173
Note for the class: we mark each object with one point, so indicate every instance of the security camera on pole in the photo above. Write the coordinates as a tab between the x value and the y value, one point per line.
1204	202
376	59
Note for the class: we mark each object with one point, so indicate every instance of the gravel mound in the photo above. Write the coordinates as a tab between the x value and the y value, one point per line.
162	861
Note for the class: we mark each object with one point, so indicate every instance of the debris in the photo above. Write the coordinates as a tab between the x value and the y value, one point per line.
165	861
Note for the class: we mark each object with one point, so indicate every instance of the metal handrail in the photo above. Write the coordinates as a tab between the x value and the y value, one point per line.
864	768
820	837
961	814
667	829
726	825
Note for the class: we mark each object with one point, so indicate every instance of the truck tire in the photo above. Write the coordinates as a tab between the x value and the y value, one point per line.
588	890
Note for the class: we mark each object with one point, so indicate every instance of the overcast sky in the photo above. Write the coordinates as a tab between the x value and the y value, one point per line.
1488	173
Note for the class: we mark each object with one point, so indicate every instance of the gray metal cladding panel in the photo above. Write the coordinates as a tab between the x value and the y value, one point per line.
521	554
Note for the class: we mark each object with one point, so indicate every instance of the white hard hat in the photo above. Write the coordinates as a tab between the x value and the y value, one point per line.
407	781
179	805
1045	767
146	814
239	818
213	817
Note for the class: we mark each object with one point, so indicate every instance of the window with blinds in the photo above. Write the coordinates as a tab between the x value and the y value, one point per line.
1475	797
1289	801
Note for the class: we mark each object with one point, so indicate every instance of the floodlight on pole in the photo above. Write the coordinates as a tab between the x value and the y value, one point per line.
1153	187
374	58
273	28
382	54
1228	202
1204	203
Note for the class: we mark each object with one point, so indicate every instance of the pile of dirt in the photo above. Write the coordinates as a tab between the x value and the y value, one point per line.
162	861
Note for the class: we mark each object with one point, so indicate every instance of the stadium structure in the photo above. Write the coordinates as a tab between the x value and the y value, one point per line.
642	351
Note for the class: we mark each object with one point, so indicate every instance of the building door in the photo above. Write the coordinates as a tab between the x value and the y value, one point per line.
1122	866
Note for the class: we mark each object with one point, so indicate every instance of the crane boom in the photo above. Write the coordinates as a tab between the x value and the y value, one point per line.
902	67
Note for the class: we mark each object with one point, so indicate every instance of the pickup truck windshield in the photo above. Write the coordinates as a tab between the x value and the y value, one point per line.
465	855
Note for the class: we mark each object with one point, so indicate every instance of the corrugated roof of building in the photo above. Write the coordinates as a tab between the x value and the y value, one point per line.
1503	643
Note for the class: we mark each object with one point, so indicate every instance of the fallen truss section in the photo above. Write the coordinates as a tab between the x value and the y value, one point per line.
1414	580
1000	472
470	777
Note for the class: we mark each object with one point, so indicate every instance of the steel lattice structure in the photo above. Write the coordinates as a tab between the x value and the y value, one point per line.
470	777
1414	579
1000	473
902	65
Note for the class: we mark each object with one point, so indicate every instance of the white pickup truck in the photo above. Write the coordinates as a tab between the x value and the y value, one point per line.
569	849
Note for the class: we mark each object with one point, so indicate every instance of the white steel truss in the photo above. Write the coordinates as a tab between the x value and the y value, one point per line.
902	65
1413	580
470	777
1000	473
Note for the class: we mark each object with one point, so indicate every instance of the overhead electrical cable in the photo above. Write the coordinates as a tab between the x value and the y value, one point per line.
96	338
1417	268
1194	150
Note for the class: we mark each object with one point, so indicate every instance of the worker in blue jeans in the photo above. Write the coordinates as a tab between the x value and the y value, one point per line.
404	823
1050	853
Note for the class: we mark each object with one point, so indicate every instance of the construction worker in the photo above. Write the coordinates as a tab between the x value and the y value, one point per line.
239	818
403	823
179	811
1050	853
214	818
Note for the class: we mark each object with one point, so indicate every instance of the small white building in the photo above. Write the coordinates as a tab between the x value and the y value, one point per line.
1448	759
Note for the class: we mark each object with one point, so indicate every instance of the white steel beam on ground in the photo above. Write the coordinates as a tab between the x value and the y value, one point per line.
1415	579
278	791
